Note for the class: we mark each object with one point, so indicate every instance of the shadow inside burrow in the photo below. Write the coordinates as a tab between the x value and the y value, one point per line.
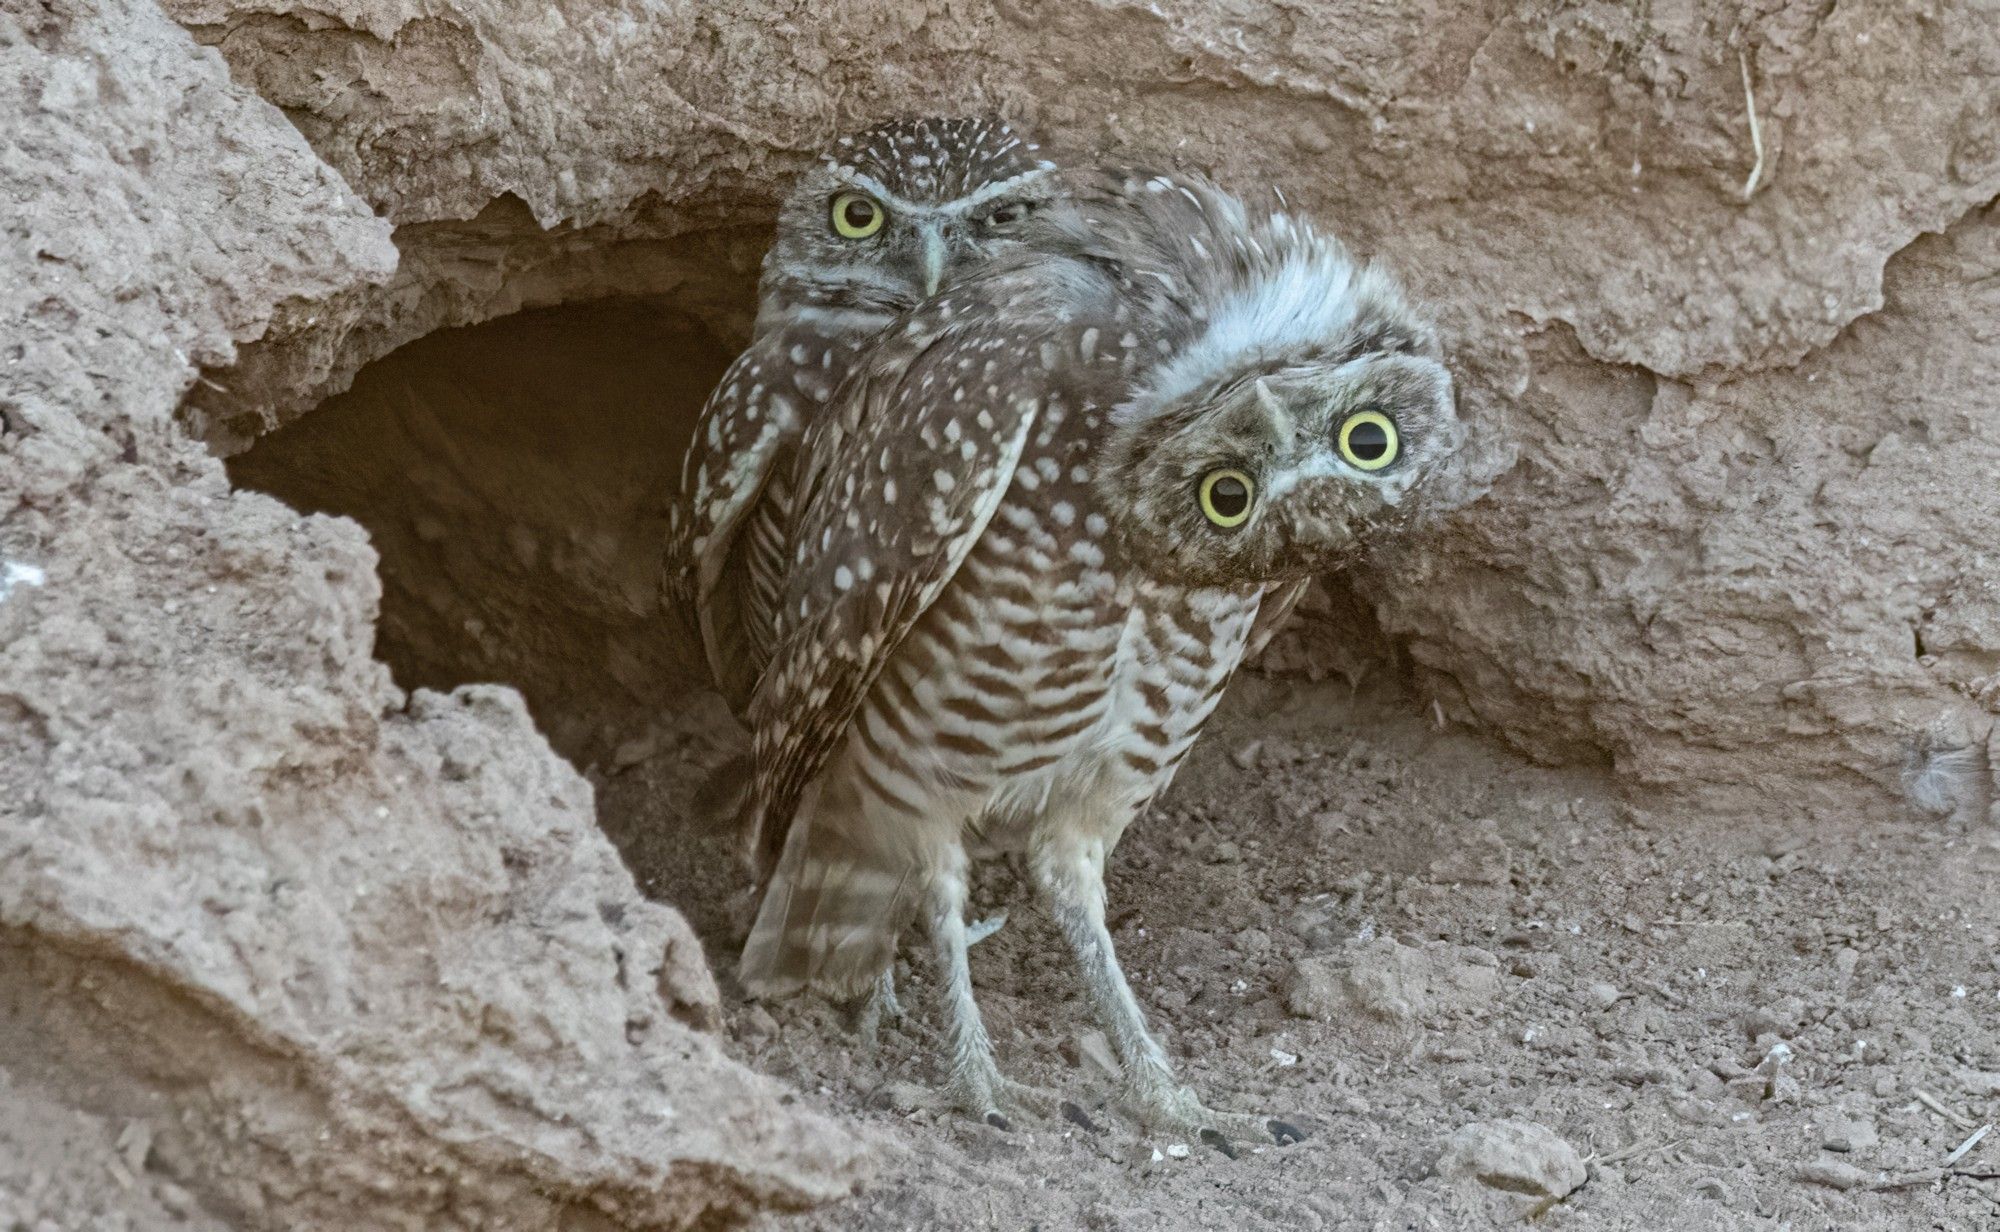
514	478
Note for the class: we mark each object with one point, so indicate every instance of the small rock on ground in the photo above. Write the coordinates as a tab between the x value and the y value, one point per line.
1400	984
1517	1156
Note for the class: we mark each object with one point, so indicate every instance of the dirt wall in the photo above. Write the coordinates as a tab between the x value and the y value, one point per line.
347	956
1675	334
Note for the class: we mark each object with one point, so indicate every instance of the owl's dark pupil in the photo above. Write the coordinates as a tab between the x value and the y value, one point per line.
858	214
1229	496
1368	441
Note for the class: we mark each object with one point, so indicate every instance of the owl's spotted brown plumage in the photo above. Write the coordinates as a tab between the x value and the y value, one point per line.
1033	533
884	218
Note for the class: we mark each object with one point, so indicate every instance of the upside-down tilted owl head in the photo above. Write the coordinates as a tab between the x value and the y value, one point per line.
891	213
1297	420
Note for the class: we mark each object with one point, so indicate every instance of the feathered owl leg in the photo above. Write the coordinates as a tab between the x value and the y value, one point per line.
1069	871
1070	876
975	1083
879	1006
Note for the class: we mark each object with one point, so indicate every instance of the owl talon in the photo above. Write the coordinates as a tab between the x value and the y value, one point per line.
997	1104
980	930
1252	1128
1177	1109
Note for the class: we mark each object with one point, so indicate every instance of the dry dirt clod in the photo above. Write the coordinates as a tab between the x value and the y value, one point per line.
1515	1156
1389	983
1848	1134
1833	1173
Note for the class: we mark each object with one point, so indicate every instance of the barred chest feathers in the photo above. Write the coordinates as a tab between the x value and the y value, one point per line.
1050	671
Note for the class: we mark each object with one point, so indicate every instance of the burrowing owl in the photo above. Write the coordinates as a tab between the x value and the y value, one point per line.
885	218
1031	539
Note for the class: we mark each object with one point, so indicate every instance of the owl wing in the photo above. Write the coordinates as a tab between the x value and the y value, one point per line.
725	540
895	485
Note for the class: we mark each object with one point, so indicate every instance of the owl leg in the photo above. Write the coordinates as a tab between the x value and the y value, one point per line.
878	1006
975	1083
1071	880
1070	876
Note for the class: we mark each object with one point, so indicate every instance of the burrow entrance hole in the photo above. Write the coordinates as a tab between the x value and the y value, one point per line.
514	478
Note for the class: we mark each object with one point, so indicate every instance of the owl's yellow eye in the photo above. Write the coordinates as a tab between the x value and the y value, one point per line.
1368	440
856	217
1226	497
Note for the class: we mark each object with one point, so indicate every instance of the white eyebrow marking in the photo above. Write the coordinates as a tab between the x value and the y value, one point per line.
949	209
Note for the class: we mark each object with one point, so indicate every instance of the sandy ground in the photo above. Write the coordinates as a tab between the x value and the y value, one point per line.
1386	934
61	1168
1342	916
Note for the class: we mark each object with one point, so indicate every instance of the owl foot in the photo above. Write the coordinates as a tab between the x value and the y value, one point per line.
1175	1109
878	1006
1227	1129
994	1100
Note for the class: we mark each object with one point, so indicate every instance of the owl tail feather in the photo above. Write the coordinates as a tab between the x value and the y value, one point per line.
829	919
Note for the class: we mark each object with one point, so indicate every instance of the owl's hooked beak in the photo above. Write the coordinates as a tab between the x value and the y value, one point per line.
934	255
1279	419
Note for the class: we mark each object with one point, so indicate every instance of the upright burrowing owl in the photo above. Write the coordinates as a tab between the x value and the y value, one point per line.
885	218
1031	538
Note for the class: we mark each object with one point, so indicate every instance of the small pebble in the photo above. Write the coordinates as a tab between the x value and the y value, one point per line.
905	1097
1833	1173
174	1199
756	1027
1178	1150
1845	1135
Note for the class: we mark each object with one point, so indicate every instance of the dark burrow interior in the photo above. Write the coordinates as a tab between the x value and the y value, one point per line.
513	476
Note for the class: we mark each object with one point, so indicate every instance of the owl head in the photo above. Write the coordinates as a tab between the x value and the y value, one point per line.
890	214
1301	411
